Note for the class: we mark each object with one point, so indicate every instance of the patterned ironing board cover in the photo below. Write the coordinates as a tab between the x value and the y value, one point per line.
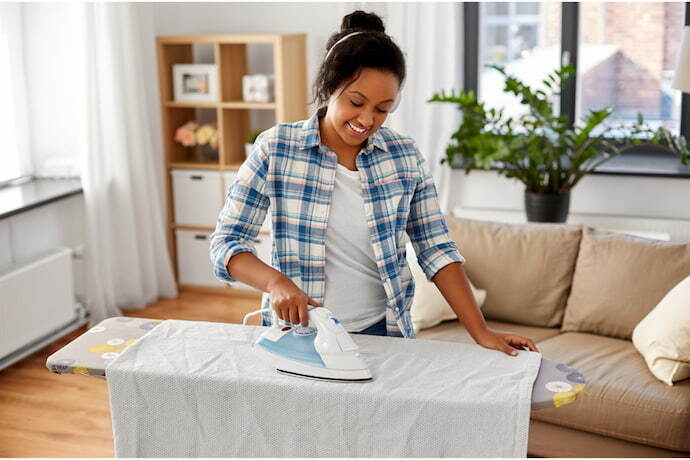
556	384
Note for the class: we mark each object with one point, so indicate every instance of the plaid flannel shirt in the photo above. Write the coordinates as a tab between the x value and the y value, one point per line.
293	174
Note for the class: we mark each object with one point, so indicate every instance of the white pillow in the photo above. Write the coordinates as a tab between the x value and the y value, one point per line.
663	336
429	307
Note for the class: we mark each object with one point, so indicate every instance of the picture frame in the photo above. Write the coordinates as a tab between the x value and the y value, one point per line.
195	83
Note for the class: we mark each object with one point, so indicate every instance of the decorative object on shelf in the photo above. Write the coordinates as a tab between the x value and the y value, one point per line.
251	138
258	88
195	83
539	148
203	137
185	134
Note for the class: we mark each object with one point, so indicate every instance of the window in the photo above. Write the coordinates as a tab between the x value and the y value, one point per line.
624	54
522	37
9	156
627	54
14	153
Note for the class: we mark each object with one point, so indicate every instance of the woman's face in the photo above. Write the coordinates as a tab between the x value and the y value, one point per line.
356	110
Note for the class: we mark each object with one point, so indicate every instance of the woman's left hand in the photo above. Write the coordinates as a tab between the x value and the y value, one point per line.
506	342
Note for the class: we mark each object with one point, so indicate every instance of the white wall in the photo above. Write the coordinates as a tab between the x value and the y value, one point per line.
626	196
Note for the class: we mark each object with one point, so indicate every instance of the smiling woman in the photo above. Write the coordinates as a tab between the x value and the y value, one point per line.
344	191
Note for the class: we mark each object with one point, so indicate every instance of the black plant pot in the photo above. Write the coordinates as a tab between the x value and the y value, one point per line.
546	208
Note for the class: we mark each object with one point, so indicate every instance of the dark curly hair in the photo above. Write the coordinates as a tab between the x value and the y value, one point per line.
370	49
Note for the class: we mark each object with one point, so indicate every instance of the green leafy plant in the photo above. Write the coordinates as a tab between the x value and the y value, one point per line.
538	148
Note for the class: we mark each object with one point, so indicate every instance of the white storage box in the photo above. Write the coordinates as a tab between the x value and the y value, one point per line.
193	261
228	177
198	197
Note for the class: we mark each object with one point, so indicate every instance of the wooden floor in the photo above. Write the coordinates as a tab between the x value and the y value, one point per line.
49	415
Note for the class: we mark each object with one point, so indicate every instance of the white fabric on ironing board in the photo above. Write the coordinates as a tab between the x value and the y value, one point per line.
199	389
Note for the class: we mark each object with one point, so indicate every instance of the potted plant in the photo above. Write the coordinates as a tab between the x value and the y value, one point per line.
251	138
539	148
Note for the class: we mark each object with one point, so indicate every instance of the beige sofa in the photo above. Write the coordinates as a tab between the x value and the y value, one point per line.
578	293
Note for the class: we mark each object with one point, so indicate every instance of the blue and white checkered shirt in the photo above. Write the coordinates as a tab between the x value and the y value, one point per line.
293	173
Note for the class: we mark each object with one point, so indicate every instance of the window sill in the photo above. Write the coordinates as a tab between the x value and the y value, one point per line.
34	193
644	164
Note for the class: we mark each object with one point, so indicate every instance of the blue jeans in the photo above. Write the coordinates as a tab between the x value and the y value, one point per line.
376	329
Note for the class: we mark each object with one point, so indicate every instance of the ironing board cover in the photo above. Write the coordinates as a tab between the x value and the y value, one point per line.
556	385
200	389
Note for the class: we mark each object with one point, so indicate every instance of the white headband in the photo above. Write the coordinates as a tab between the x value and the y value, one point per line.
341	40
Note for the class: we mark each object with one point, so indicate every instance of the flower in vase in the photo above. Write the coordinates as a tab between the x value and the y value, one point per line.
185	134
213	142
205	134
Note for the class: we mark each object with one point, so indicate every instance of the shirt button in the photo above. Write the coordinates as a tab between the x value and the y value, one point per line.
397	308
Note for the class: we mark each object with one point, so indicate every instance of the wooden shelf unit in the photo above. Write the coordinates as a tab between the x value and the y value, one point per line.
232	114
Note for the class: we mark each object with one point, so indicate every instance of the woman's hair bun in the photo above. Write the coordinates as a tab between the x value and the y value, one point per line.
361	20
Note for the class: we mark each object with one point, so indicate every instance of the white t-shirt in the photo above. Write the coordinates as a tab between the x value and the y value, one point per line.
354	290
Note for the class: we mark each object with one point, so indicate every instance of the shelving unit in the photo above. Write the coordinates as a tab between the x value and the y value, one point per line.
201	185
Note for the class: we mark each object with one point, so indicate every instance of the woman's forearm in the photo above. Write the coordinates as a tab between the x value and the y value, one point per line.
249	269
455	288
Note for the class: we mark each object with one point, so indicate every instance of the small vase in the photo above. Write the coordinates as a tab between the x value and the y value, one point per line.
547	208
206	154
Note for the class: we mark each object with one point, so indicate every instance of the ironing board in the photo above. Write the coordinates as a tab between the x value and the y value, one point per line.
556	384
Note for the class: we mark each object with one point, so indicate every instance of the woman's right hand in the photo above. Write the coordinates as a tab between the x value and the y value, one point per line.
290	302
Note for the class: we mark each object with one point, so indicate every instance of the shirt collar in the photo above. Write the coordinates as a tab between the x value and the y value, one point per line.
311	137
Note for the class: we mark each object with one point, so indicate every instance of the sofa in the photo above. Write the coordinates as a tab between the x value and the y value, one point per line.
579	293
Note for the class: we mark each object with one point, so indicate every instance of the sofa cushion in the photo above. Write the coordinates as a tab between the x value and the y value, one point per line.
622	399
526	269
453	331
663	336
429	307
619	279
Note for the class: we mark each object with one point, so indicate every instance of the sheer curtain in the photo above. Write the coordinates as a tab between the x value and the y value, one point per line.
127	261
431	36
15	154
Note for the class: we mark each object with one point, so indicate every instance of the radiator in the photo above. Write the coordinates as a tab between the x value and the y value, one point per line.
36	302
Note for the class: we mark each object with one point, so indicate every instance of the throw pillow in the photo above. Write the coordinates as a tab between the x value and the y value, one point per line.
429	307
526	269
618	279
663	336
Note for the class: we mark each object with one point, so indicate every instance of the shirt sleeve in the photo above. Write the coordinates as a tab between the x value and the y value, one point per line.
243	213
427	227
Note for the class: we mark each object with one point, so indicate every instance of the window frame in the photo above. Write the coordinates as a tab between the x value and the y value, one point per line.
570	19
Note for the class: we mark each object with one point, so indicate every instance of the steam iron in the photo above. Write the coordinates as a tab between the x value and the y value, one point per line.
323	352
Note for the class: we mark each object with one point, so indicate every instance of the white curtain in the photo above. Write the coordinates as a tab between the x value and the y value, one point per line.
127	261
15	154
430	34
